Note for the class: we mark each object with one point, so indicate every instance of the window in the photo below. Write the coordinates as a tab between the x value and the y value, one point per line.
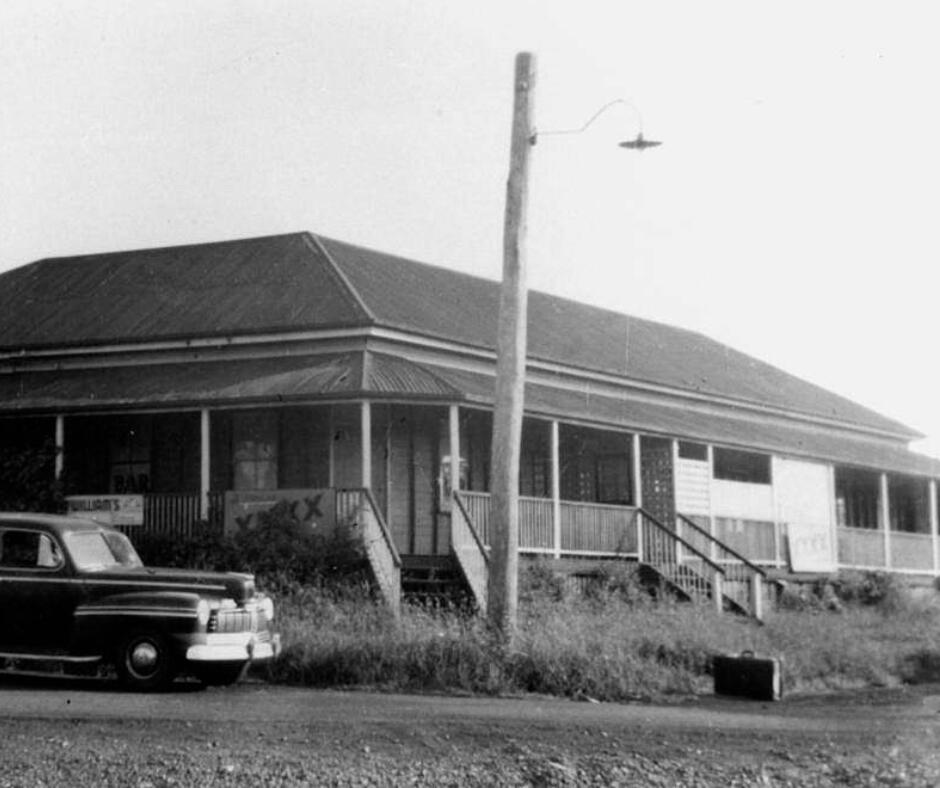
130	456
254	444
693	451
29	550
742	466
857	498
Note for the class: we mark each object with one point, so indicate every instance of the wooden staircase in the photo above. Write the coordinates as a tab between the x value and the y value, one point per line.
699	567
434	580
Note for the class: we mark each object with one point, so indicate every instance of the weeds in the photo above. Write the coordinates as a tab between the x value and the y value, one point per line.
610	643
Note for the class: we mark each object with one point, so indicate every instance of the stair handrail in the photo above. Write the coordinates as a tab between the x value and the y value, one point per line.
472	557
714	540
686	544
383	527
387	578
484	550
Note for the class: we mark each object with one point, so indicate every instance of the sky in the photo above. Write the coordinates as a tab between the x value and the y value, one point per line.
789	213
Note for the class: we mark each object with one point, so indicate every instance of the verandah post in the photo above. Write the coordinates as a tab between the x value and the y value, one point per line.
556	487
932	514
365	431
885	517
204	467
638	495
59	446
757	596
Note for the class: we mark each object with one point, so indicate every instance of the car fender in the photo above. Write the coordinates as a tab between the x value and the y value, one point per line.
107	619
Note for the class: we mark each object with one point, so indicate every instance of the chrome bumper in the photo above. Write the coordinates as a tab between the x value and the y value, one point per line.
233	647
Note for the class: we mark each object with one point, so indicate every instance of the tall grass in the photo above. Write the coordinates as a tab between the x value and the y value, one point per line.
611	645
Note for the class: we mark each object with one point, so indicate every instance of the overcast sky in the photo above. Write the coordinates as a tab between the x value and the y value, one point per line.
791	211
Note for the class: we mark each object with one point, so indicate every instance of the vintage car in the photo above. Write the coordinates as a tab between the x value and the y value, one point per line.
75	593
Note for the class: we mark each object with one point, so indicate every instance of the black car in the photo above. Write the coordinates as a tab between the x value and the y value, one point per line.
75	592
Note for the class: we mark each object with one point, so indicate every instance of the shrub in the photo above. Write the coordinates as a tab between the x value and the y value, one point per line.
872	589
27	480
281	551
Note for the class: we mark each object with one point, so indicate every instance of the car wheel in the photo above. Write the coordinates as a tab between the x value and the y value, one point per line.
220	674
144	662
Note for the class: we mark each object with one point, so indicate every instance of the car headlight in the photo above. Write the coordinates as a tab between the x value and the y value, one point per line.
267	607
202	612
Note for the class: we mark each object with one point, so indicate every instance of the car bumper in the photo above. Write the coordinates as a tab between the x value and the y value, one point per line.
233	647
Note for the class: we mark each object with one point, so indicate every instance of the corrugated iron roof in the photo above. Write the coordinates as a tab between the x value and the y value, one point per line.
698	423
287	283
229	288
465	309
221	382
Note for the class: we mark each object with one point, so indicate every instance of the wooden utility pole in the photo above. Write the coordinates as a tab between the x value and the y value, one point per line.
503	585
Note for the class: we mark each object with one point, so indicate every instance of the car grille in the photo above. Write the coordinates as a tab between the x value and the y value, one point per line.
233	620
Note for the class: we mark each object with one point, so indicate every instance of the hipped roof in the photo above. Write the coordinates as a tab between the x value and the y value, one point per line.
299	281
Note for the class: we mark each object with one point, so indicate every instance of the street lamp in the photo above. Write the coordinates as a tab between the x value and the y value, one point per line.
639	143
503	581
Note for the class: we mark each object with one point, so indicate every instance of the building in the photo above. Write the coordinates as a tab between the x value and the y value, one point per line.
173	380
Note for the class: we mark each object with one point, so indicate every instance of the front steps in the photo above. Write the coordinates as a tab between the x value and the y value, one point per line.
433	580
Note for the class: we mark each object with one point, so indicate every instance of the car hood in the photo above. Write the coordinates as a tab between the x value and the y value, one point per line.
233	585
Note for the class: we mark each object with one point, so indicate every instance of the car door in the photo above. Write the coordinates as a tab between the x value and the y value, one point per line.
38	592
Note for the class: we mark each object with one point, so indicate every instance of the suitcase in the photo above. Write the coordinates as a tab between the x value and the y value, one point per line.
747	675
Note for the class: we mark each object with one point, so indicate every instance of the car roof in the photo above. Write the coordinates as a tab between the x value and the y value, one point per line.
55	522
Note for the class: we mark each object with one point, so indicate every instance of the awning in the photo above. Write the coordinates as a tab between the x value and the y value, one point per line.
356	374
224	382
729	427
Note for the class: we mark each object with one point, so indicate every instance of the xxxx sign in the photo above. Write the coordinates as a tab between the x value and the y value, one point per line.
313	508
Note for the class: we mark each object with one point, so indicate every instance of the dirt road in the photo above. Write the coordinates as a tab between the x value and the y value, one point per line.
56	732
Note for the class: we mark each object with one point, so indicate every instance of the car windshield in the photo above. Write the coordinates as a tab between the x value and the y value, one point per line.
94	550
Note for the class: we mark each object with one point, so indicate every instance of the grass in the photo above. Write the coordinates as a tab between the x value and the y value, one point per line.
614	644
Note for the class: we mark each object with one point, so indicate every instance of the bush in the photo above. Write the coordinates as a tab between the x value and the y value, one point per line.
281	551
27	480
872	589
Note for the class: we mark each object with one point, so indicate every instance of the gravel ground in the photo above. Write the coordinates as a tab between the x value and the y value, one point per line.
895	742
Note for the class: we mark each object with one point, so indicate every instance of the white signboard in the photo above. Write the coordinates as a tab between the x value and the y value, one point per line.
810	547
108	509
804	505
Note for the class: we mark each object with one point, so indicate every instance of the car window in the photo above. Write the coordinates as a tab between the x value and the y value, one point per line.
95	550
29	550
122	549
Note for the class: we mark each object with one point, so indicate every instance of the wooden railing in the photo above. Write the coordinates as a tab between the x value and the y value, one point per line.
864	548
597	528
467	547
177	515
743	580
477	508
358	508
586	528
861	547
911	551
535	524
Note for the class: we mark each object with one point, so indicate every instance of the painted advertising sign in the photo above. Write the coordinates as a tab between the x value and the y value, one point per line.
108	509
314	508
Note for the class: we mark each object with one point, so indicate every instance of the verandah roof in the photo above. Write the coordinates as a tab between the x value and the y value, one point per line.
216	383
376	375
699	423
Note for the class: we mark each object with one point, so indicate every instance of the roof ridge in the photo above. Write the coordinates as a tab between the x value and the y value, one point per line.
168	247
310	238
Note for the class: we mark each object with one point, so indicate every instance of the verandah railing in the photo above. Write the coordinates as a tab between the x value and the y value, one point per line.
178	514
873	549
586	528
